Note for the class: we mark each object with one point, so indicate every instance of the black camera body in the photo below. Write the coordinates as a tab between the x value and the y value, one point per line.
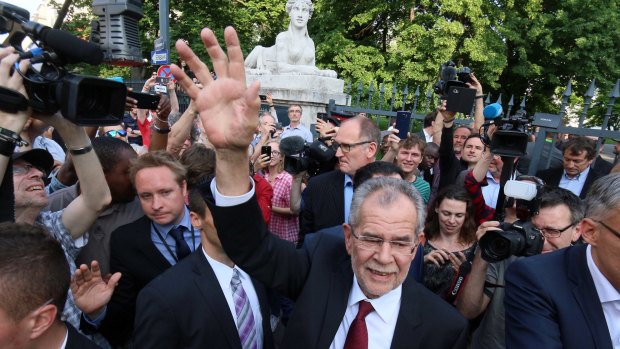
314	158
511	135
83	100
451	76
516	239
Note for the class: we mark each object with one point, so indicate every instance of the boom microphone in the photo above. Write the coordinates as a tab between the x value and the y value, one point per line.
72	49
292	145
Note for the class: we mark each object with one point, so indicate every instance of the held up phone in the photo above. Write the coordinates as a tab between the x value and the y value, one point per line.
263	97
279	126
460	99
403	123
266	149
145	100
322	116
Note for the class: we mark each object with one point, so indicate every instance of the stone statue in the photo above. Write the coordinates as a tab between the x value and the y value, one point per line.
294	50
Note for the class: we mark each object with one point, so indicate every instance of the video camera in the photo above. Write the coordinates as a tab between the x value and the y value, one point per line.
83	100
450	76
299	156
520	238
511	136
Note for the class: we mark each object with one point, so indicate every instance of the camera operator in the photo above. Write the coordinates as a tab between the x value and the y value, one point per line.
28	169
557	218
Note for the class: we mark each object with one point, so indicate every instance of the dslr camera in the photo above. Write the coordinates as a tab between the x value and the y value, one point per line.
83	100
516	239
315	158
451	76
511	136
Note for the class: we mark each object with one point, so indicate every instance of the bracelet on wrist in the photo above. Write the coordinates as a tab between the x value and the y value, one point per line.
160	130
448	121
12	136
6	147
270	105
82	150
479	97
161	120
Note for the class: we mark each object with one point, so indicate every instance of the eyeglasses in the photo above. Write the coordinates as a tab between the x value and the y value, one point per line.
613	231
275	152
23	169
114	133
374	244
347	147
553	232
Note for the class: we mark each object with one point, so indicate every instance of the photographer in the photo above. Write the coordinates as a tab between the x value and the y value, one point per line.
70	225
558	214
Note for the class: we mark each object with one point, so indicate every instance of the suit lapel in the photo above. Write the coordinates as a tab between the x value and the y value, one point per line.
592	176
147	247
263	301
209	287
340	281
586	296
409	318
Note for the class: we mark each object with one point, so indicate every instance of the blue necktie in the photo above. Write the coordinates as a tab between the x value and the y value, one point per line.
182	248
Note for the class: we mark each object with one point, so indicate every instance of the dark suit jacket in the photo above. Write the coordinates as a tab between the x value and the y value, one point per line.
323	203
319	278
76	340
186	308
552	176
132	253
551	302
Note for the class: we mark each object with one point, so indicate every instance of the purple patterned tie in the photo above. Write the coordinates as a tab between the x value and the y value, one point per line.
245	318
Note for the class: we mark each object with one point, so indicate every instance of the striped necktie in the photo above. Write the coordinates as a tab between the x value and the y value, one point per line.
245	318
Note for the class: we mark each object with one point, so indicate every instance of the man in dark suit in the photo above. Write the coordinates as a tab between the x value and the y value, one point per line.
34	275
346	291
576	174
328	196
571	298
191	304
147	247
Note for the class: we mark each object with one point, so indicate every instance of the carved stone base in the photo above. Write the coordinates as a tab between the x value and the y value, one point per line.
312	92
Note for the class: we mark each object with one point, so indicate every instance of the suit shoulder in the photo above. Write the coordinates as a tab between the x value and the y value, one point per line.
547	266
125	232
327	177
430	303
175	280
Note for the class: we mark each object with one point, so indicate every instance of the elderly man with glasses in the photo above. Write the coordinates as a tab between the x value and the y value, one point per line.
571	298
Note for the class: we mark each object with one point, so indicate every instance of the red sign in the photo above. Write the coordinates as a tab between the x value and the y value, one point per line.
164	72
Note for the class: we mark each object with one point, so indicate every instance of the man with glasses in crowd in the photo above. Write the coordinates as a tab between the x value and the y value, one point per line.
571	298
295	128
558	217
327	199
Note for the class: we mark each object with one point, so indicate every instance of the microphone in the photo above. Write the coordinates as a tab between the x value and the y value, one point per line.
72	49
492	111
292	145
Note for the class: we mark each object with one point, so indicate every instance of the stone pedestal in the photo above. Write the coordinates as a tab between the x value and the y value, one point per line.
312	92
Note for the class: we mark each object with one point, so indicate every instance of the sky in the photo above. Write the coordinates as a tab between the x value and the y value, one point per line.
30	5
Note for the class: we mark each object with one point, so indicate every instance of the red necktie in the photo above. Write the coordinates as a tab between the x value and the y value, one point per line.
357	338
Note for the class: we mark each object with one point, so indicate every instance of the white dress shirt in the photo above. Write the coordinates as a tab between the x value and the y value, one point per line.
575	184
609	298
380	323
224	274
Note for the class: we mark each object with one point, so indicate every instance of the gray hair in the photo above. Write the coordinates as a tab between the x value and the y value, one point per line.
389	190
603	196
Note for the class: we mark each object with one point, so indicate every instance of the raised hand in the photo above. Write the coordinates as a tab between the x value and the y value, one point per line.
13	81
228	109
90	291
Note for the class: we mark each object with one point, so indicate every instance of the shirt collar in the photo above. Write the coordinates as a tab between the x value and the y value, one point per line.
185	222
578	177
385	306
606	292
347	180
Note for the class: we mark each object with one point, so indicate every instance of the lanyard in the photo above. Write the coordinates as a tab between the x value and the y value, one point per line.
161	238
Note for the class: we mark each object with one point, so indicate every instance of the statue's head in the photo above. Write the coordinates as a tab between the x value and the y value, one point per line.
291	3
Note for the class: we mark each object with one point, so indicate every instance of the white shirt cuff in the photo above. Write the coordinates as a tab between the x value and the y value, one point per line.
227	201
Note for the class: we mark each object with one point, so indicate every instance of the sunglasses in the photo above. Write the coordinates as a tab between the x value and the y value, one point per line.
114	133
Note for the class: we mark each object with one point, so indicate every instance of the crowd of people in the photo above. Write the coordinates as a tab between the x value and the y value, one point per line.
177	230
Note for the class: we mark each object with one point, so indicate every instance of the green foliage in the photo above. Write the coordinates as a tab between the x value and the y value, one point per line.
525	48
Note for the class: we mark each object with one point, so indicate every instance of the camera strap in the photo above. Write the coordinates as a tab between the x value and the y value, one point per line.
12	101
461	277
